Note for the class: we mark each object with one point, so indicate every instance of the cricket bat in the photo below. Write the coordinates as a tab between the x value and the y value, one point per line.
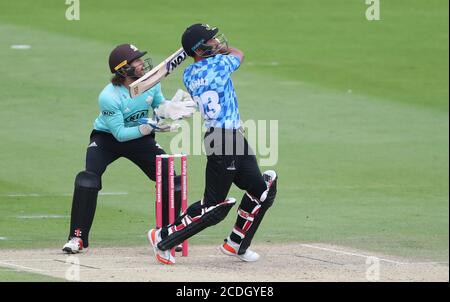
158	73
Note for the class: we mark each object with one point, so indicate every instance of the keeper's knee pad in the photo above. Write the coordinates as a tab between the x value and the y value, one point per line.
88	180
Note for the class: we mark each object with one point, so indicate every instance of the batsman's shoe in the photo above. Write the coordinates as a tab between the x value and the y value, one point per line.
230	248
165	257
73	246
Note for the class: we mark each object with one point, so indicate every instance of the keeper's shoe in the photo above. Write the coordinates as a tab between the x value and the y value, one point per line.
230	248
73	246
165	257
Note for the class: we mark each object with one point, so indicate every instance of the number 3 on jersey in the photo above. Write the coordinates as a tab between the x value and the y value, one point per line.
208	102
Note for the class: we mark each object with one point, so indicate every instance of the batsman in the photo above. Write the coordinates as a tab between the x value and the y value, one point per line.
230	160
123	129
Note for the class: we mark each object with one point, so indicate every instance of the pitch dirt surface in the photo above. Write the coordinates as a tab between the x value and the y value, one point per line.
288	262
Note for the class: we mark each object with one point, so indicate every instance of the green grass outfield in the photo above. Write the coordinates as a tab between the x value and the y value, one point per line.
362	109
7	275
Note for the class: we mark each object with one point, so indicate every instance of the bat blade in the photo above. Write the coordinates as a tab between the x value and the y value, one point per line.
154	76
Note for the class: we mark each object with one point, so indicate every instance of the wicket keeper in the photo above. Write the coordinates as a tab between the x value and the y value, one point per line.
123	129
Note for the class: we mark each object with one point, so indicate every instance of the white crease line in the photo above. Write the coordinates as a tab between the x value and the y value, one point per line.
21	267
113	193
87	270
20	46
366	256
42	216
88	258
64	194
81	268
348	253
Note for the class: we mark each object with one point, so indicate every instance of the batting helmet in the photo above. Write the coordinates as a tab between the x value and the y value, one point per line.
195	37
122	56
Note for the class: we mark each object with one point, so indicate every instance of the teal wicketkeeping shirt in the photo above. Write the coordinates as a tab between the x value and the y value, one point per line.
119	112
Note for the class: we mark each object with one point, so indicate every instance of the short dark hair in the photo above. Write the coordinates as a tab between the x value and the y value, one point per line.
117	80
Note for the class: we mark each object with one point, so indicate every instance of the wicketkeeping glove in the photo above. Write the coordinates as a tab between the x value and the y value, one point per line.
148	125
181	106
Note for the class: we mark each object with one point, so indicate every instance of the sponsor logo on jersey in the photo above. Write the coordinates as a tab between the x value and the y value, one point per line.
135	116
108	113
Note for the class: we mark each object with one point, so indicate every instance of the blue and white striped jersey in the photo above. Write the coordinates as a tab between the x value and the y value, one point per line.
209	83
